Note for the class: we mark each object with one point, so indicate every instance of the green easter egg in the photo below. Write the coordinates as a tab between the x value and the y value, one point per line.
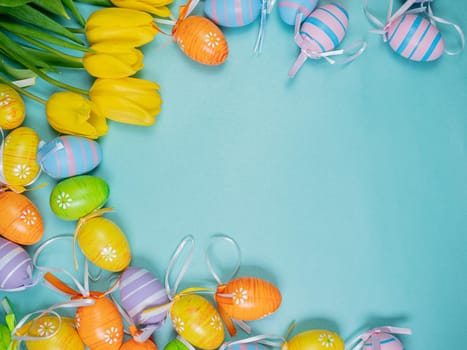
75	197
178	344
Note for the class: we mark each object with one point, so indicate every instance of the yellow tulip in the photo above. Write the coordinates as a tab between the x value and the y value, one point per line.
156	7
109	61
127	100
120	27
73	114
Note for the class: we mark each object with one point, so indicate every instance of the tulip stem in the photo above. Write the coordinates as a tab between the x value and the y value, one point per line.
22	91
77	30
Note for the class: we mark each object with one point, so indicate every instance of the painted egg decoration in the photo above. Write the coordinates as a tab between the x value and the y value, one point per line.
61	335
132	344
246	299
290	9
140	290
67	156
201	40
324	29
315	340
104	244
415	38
20	220
12	109
197	321
78	196
19	157
178	344
386	342
232	13
247	346
100	325
15	266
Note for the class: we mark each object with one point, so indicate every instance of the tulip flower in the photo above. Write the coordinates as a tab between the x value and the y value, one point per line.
127	100
70	113
156	7
120	27
112	62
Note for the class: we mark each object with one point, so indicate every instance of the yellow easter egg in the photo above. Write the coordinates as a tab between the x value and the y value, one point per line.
64	336
12	110
20	167
104	244
197	321
315	340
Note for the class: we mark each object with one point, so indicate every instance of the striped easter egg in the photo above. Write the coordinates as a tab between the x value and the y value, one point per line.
67	156
201	40
140	290
386	341
289	9
325	28
15	266
232	13
415	38
247	346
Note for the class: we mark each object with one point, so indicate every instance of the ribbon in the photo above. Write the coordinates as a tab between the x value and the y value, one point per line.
372	335
306	52
25	82
265	10
231	241
265	339
185	10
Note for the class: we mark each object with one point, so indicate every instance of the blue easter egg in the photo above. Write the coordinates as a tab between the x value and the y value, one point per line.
232	13
67	156
289	9
247	346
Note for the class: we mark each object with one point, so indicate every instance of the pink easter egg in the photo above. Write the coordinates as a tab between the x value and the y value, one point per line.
387	342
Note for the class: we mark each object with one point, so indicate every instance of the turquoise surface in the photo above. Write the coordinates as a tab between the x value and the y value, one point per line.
345	186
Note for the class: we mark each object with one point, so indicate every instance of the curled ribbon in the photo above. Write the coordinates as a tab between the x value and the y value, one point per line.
372	335
235	245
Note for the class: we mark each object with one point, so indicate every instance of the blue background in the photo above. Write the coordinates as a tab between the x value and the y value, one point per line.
345	186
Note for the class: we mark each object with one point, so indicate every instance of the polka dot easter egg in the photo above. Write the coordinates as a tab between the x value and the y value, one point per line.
232	13
12	110
315	340
75	197
67	156
15	267
289	9
20	220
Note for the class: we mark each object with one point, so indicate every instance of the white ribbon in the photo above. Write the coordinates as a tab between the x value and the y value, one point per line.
236	247
188	240
265	339
25	82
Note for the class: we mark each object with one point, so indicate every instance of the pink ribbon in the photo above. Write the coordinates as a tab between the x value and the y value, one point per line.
372	335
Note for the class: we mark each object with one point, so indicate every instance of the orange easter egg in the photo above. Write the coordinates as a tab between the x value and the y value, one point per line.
19	157
100	325
104	244
20	220
12	110
63	335
135	345
197	321
247	299
201	40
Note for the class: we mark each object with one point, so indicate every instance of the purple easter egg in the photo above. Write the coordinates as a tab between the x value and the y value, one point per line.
232	13
387	342
415	38
324	28
140	290
15	266
289	9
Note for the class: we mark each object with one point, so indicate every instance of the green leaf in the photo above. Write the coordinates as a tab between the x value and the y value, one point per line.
25	93
13	3
105	3
32	16
18	54
65	61
74	10
53	6
16	73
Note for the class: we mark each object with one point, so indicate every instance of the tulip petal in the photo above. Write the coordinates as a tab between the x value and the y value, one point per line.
113	63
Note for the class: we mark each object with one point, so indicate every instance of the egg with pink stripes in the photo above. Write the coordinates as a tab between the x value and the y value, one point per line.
289	9
15	267
324	29
247	346
415	38
386	342
232	13
67	156
140	290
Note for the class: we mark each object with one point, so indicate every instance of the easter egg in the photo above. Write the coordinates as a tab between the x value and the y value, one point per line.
315	340
104	244
386	341
197	321
415	38
62	335
20	220
324	28
289	9
132	344
12	110
15	266
232	13
201	40
247	346
140	290
67	156
100	325
178	344
78	196
19	157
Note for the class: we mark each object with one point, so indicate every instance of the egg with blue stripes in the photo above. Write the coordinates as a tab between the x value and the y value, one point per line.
324	29
386	342
246	346
67	156
415	38
289	9
232	13
15	267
